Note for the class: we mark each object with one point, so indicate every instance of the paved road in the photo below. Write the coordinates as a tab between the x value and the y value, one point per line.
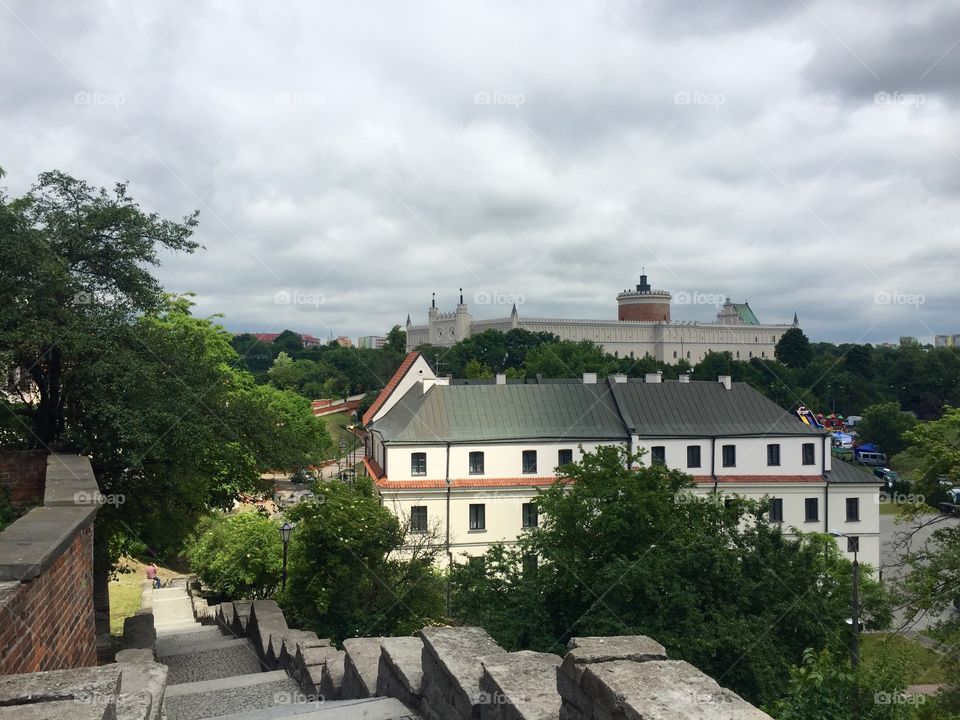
892	537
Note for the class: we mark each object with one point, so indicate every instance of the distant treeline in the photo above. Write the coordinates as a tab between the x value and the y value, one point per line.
844	378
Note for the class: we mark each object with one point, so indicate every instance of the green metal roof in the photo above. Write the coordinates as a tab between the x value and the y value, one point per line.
472	413
844	472
703	409
746	314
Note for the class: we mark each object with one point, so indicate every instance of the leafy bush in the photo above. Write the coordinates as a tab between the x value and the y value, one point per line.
237	555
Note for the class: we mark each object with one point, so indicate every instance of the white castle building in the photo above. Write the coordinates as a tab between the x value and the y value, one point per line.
643	327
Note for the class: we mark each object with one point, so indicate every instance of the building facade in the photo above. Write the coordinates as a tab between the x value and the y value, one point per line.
643	327
465	461
371	342
946	341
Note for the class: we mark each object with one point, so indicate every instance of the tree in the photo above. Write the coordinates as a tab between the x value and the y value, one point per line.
288	341
355	571
884	424
632	551
477	370
238	556
793	349
75	263
396	339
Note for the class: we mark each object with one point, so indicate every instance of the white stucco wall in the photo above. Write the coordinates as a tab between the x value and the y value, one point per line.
420	370
751	455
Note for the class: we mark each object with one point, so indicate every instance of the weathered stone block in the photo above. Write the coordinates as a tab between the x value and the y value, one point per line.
139	632
519	686
451	670
360	668
60	710
661	690
309	656
266	618
400	673
289	642
331	679
88	684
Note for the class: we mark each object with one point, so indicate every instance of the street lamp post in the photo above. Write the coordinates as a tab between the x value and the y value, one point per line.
855	618
285	530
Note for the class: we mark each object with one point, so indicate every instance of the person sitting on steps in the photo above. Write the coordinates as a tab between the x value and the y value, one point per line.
152	575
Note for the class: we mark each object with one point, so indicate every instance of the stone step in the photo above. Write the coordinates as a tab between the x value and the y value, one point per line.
200	644
365	709
237	658
229	695
170	642
178	628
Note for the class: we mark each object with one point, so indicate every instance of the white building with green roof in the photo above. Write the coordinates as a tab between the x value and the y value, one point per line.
464	460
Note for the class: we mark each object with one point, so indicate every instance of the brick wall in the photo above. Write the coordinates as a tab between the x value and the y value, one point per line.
46	623
23	474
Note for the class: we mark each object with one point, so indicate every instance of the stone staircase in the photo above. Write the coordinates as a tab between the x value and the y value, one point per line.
212	674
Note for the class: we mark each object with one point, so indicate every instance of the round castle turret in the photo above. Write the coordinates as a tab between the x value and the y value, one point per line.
644	304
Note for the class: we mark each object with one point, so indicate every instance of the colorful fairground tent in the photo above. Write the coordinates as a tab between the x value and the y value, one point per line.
833	421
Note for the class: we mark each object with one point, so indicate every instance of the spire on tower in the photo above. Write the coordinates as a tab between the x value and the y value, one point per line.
433	300
796	322
461	296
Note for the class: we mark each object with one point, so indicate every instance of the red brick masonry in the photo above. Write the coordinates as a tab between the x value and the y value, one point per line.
22	473
47	623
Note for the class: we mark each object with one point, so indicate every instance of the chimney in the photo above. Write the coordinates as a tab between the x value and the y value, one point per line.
684	377
653	377
726	380
501	379
428	383
619	378
589	378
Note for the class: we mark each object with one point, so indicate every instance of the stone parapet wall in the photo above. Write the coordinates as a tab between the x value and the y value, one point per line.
46	575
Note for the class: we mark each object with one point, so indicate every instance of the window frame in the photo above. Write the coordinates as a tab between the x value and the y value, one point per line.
523	462
724	449
415	527
773	454
525	510
658	455
776	510
855	516
853	543
477	519
699	452
560	460
414	456
470	462
812	449
815	504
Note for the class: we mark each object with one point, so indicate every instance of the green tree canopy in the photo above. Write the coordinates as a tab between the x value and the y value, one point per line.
397	339
793	349
885	425
632	551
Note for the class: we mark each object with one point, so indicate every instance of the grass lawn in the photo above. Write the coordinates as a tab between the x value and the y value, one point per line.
125	591
923	666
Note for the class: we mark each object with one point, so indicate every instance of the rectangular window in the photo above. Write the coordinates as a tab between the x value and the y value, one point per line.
476	463
418	519
564	457
658	455
418	463
693	456
773	454
811	509
809	454
529	462
776	510
478	517
529	515
729	455
853	509
853	544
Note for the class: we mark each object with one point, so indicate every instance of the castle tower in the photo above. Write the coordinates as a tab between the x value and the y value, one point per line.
644	303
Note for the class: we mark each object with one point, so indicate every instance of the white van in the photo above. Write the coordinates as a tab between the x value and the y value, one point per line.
874	459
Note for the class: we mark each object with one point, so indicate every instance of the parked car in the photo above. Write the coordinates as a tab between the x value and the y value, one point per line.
871	458
889	477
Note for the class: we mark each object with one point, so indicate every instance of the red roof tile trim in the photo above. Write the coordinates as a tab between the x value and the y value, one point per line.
385	484
373	468
390	386
765	479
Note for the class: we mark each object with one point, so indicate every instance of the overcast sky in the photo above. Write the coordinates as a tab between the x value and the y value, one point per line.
349	159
